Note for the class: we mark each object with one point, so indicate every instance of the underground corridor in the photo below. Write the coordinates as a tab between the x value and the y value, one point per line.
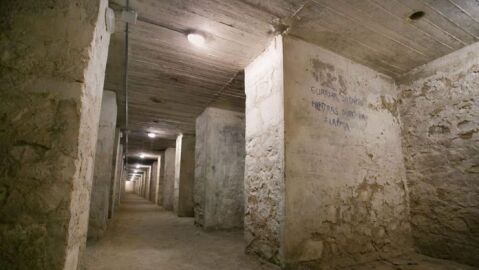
239	135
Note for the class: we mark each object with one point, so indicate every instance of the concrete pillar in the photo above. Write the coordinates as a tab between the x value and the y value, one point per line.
102	175
148	183
119	176
184	175
115	174
161	179
154	181
219	172
324	172
51	82
169	179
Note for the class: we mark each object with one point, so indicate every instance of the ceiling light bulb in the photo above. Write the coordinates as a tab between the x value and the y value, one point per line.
142	156
151	135
196	39
137	166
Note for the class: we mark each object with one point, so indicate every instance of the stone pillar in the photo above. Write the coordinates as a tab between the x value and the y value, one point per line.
146	192
123	179
219	172
184	175
115	173
324	172
154	181
102	175
169	179
119	176
51	84
161	179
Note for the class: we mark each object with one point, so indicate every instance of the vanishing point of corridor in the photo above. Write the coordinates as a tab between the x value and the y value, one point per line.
143	236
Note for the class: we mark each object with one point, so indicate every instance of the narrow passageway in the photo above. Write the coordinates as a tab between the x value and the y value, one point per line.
143	236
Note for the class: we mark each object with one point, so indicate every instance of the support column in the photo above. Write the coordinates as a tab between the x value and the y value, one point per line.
219	172
102	175
184	175
146	182
161	179
51	82
169	176
115	181
324	172
119	176
154	181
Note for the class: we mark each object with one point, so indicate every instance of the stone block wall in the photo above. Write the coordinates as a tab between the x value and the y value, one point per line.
169	178
184	175
440	114
51	83
161	179
154	181
324	180
102	174
345	183
264	162
219	172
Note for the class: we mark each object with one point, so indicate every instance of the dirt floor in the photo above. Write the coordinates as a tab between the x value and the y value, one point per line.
142	236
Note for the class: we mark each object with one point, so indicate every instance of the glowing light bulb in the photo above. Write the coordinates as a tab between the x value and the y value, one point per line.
151	135
196	39
142	155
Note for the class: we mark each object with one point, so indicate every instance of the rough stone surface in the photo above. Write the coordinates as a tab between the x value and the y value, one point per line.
440	114
102	174
161	179
154	181
343	160
118	177
325	185
219	172
169	179
264	169
51	81
115	174
184	175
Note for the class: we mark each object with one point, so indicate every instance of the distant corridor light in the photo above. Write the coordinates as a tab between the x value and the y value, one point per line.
137	166
196	39
151	135
142	155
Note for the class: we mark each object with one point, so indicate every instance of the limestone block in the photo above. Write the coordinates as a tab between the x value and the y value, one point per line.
324	172
169	179
51	82
219	172
102	183
184	175
440	115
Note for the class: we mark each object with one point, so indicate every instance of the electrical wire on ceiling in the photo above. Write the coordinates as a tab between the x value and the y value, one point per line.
125	81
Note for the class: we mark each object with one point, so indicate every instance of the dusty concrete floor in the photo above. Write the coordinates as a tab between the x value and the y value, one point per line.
142	236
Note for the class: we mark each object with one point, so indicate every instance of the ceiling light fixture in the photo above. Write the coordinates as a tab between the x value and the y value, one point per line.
151	135
417	15
142	155
137	166
196	38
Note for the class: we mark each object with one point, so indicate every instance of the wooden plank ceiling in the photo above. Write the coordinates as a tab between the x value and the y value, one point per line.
171	81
